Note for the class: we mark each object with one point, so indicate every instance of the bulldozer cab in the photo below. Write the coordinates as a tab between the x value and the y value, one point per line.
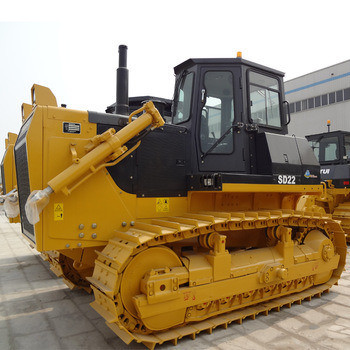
331	147
225	103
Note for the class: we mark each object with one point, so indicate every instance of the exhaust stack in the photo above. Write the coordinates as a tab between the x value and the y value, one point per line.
122	103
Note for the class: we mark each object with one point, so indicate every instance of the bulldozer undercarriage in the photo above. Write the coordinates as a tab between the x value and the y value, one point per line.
168	278
73	273
342	213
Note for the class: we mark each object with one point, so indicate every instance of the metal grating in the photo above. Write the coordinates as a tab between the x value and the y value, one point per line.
23	183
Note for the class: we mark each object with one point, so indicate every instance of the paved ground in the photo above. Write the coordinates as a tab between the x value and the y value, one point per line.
38	311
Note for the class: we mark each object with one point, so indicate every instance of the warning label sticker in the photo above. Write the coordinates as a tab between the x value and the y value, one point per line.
58	211
162	205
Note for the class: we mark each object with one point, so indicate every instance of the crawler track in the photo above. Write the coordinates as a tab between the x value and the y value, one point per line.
119	252
191	330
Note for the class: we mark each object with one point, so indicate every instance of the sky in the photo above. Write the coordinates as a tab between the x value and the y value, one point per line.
72	46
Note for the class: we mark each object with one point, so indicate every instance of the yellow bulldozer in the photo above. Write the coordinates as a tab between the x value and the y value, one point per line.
9	198
9	195
332	150
184	226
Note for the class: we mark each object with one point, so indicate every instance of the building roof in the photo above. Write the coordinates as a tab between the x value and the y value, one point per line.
318	70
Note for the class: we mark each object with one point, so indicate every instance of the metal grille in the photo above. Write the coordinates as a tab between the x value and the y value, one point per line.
23	184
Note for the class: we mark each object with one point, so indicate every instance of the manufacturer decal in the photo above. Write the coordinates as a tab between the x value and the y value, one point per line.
325	171
286	179
308	175
71	128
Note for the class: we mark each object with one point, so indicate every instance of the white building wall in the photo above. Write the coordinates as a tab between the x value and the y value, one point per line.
318	83
315	120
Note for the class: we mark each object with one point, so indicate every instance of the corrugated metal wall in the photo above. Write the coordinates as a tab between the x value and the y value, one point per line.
318	96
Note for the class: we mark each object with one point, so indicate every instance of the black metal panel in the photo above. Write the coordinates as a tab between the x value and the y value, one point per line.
23	184
161	163
286	155
158	167
310	165
124	173
337	173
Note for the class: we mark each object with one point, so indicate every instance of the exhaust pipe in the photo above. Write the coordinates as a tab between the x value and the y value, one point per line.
122	103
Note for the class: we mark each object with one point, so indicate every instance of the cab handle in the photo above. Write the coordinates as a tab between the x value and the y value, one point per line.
288	111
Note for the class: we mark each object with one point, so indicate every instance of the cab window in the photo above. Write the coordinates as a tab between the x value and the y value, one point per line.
347	146
315	145
264	100
217	113
326	149
183	99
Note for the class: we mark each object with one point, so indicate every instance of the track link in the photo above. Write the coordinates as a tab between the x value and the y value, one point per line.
191	330
120	250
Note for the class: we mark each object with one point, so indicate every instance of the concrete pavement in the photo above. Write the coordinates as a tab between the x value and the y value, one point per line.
38	311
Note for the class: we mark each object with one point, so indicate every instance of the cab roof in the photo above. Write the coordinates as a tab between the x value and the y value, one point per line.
327	134
223	62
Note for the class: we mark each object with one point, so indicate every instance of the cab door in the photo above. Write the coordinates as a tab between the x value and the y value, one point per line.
220	141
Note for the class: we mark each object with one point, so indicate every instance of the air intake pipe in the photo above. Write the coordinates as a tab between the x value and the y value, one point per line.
122	103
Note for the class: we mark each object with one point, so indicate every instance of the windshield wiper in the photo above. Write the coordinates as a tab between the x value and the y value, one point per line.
237	126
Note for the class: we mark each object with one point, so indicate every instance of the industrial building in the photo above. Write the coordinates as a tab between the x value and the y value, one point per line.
318	97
